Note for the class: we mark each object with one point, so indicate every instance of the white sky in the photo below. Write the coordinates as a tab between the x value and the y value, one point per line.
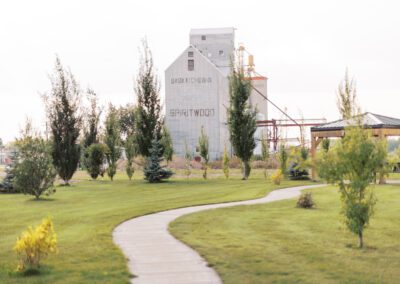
303	47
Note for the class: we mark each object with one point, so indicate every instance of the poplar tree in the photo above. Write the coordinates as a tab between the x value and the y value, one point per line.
204	149
347	97
92	119
148	119
241	120
65	121
131	153
112	140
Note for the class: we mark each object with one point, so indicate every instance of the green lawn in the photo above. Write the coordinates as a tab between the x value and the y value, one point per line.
86	213
278	243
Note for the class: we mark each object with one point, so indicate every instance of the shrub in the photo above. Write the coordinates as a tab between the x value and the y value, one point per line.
305	200
34	174
35	244
277	177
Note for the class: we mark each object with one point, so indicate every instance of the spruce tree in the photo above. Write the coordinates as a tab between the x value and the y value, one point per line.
112	140
153	171
7	185
148	119
241	120
65	121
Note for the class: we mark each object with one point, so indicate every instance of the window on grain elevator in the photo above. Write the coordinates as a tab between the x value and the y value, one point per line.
190	65
190	54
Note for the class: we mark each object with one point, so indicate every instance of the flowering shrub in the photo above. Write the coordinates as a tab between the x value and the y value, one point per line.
277	177
35	244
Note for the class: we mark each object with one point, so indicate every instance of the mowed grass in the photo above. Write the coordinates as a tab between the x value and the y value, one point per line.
86	213
278	243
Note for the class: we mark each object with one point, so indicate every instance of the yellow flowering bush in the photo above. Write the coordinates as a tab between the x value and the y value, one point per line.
35	244
277	177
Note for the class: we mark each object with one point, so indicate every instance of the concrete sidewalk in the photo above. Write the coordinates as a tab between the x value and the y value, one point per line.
157	257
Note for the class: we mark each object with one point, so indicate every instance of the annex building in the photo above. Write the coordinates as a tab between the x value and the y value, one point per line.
197	91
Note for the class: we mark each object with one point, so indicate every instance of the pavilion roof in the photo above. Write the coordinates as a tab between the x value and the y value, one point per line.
369	120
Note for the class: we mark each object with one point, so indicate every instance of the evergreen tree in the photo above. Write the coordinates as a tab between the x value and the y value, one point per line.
241	120
112	140
148	119
65	121
166	143
204	146
7	185
153	171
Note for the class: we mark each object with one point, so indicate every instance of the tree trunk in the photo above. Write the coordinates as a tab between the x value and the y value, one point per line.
361	241
246	170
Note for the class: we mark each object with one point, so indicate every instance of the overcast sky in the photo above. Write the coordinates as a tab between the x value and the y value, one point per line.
303	47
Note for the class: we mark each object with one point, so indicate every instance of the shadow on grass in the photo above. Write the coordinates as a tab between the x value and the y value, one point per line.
364	249
41	200
31	272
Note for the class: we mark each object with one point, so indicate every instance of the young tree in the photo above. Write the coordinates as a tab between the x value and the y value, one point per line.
127	117
96	155
204	146
265	153
166	143
148	119
225	162
112	140
34	173
188	159
65	121
347	97
283	157
131	153
326	143
91	120
153	171
352	165
241	119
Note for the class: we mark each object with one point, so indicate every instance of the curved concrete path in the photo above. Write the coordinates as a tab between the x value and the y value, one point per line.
155	256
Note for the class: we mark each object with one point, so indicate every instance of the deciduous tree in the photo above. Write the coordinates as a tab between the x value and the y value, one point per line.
204	150
241	119
352	165
65	121
112	140
148	119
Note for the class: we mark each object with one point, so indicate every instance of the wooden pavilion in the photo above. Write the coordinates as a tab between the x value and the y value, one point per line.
381	126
